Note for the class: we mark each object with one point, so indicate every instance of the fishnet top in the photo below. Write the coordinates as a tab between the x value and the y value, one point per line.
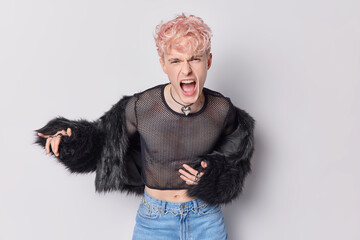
168	138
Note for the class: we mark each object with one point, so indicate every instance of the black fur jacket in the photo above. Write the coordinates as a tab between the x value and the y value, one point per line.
103	146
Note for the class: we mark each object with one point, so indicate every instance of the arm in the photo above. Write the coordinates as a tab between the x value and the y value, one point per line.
119	166
79	151
90	141
229	162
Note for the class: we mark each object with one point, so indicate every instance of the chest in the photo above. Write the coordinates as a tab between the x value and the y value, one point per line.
182	135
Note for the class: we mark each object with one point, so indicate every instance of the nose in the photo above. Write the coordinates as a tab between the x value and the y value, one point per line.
186	68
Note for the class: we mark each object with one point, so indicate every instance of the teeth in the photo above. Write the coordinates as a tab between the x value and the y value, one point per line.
187	81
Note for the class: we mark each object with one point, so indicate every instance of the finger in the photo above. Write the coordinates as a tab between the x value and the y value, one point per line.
188	181
47	146
68	132
187	175
203	164
52	145
190	169
57	143
200	175
43	135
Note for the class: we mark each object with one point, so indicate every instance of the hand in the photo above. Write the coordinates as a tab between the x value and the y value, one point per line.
54	140
190	177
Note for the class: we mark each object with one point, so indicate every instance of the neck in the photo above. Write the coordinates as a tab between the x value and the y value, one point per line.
196	106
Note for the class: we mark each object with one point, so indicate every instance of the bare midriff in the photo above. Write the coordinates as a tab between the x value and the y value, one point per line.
169	195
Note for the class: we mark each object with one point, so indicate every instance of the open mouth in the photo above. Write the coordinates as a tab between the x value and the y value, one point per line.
188	87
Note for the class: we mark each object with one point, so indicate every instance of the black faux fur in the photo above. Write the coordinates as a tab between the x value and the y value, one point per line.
227	165
80	152
102	145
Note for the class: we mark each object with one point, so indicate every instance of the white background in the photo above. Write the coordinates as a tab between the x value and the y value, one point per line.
293	65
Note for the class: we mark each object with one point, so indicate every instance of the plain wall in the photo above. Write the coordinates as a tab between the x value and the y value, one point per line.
293	65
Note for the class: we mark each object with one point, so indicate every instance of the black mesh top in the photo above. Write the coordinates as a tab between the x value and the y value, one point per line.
168	138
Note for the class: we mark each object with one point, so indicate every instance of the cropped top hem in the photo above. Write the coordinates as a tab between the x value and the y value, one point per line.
158	188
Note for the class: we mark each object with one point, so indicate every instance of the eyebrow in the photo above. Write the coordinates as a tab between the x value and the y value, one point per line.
172	59
197	56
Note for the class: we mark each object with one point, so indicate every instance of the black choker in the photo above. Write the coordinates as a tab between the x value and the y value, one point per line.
185	108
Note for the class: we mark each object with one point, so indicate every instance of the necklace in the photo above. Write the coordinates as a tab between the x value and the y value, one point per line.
185	108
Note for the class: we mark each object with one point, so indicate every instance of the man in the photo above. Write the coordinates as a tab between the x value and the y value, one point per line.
185	148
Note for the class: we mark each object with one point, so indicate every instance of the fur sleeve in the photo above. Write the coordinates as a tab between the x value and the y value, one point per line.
78	152
228	164
81	151
105	146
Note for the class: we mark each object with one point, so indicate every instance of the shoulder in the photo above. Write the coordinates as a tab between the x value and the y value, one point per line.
219	100
155	90
214	93
243	117
125	99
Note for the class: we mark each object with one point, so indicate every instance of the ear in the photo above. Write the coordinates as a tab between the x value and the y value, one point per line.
162	63
209	60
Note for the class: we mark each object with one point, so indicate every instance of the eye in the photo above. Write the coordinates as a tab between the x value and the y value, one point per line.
174	61
196	59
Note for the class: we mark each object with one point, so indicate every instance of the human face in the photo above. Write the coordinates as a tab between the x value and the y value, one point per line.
187	73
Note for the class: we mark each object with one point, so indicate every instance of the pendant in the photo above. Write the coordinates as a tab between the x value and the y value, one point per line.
186	110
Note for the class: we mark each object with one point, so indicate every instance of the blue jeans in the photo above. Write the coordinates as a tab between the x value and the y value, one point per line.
191	220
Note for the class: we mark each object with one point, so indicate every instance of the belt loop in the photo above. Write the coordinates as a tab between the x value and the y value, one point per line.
142	201
195	202
163	206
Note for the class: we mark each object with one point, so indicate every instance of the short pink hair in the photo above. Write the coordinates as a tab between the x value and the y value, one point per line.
193	29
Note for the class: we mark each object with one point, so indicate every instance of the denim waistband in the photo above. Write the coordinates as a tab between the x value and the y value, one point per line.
177	207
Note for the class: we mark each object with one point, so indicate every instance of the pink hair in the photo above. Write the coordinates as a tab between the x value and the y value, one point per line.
192	29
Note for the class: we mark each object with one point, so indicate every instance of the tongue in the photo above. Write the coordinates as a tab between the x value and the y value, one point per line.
188	87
